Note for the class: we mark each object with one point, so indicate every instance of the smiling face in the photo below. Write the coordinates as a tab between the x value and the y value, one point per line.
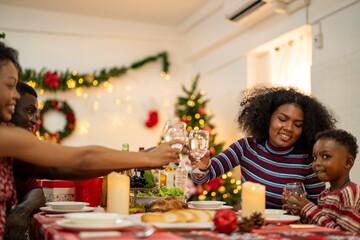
286	125
25	115
8	93
332	162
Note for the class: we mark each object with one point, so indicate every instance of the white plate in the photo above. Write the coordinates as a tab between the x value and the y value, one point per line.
68	225
222	207
206	204
93	218
50	210
269	213
285	219
184	226
66	205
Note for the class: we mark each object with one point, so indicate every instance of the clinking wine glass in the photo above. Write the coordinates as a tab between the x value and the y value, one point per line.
198	144
296	188
174	130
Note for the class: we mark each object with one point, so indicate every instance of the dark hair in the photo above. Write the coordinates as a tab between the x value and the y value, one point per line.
342	138
260	103
23	88
8	54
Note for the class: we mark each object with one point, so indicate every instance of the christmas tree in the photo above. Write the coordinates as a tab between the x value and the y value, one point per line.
192	110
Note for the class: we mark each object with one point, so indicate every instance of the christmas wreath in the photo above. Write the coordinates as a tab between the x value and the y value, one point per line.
63	107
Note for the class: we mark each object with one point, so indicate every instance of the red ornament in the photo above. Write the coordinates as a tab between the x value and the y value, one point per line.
201	110
225	221
70	117
199	190
52	79
214	184
207	128
71	125
56	107
152	119
184	119
212	151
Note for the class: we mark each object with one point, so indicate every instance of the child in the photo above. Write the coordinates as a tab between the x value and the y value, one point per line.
338	207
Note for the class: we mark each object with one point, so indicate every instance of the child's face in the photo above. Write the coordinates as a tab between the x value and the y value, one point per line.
286	125
8	93
330	160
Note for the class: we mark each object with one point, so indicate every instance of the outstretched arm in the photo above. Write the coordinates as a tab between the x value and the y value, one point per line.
38	152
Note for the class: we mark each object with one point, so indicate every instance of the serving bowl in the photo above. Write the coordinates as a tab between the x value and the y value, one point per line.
67	205
207	204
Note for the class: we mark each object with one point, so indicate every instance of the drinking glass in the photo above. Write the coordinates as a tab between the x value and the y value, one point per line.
198	144
296	188
174	130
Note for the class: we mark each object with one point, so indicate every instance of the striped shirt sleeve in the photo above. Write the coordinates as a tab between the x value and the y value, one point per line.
339	210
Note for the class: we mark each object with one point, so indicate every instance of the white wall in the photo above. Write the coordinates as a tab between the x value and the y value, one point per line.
335	69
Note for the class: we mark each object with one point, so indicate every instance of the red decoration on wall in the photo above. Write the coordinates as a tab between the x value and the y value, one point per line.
152	119
225	221
52	79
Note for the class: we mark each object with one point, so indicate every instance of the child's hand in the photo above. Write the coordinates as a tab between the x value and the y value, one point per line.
294	203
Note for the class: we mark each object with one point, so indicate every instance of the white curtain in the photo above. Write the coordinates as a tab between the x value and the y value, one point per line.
291	62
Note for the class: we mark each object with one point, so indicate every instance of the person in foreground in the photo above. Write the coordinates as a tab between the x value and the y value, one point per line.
338	207
12	139
281	124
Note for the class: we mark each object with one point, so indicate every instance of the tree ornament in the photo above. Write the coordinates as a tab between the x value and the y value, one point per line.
201	110
51	79
225	221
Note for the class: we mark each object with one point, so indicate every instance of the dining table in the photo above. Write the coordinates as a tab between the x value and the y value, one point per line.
45	228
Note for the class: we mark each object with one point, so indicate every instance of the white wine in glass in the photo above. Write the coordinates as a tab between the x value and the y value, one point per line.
174	130
198	144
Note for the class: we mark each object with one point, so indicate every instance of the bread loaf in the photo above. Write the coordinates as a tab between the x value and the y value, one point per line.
179	216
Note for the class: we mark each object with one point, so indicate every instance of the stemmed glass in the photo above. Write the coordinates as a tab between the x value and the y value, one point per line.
174	130
198	144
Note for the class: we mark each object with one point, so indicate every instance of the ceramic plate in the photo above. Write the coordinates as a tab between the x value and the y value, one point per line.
284	219
184	226
50	210
222	207
68	225
66	205
206	204
93	218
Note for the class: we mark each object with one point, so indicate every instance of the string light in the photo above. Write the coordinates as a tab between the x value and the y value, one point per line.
167	77
84	127
229	174
71	83
200	101
196	128
41	91
189	118
190	103
213	194
74	73
110	88
238	182
201	121
224	176
189	128
202	197
81	80
205	192
192	97
95	82
222	189
232	181
163	74
224	196
235	191
197	115
85	95
79	91
202	92
31	84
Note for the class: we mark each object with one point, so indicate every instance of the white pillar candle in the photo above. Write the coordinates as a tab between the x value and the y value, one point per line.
118	193
253	199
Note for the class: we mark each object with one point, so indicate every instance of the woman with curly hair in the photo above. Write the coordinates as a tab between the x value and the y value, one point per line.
280	124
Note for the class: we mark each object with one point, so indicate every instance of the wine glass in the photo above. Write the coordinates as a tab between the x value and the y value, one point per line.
174	130
296	188
198	144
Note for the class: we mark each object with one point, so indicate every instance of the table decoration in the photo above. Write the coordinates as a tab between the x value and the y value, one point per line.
255	221
118	193
252	199
225	221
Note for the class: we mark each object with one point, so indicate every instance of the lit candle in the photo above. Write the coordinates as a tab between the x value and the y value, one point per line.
118	193
253	199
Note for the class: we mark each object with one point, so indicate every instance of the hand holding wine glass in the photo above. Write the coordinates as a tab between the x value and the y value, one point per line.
198	144
175	130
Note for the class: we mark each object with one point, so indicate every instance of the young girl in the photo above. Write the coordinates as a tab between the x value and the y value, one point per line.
19	143
281	124
338	207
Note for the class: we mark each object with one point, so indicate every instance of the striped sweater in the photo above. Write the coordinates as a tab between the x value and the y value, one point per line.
267	165
339	209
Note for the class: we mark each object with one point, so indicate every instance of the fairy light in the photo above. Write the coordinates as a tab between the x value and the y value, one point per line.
79	91
224	176
106	84
213	194
81	80
110	88
74	73
31	84
200	101
202	197
41	105
85	95
163	74
95	106
201	121
189	128
208	112
197	115
190	103
189	118
111	79
192	97
205	192
238	187
202	92
84	127
196	128
95	82
232	181
235	191
41	91
229	174
222	189
71	83
32	74
238	182
224	196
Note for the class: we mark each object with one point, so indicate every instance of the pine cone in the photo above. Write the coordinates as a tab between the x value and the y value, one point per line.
255	221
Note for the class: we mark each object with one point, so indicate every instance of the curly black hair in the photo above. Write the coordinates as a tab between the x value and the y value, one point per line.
259	104
8	54
342	138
